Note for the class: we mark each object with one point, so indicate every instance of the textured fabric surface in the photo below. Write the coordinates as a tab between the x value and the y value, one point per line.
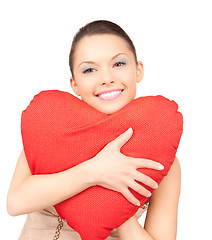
60	131
42	225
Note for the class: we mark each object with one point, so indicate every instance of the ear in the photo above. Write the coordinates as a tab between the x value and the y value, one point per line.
140	71
74	86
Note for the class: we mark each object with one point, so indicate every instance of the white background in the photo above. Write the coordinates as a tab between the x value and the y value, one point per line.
174	41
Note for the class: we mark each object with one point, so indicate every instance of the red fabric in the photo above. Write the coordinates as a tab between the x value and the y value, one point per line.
60	131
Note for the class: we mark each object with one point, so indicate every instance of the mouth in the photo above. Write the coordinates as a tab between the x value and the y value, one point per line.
109	94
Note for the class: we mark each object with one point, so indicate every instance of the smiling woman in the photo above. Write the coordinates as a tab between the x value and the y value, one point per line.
105	73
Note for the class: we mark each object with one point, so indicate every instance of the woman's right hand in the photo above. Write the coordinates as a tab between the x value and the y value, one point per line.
117	172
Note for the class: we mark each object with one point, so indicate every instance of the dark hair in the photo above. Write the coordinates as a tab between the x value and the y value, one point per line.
99	27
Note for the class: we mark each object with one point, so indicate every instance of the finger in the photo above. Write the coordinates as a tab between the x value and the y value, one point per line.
130	197
140	189
140	177
147	163
121	139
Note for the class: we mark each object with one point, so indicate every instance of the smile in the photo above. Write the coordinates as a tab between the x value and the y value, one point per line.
107	96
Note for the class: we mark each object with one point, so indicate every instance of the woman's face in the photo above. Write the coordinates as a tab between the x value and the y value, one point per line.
105	72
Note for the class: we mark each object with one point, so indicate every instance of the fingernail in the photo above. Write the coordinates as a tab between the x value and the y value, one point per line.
160	167
129	130
149	194
155	186
138	204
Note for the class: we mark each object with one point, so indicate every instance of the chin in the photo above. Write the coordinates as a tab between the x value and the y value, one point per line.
109	109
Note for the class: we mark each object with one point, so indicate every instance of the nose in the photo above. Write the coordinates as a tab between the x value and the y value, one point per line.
106	77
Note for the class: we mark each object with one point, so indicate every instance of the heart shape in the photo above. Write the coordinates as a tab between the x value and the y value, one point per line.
60	131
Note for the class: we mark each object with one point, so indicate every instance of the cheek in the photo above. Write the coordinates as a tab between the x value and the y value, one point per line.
129	74
129	79
86	87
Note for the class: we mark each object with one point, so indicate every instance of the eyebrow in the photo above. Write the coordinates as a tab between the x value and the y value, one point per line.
91	62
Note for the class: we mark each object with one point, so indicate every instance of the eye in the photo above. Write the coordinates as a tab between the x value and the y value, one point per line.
88	70
119	64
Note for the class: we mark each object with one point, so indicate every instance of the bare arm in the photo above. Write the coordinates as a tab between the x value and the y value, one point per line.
28	193
109	169
161	220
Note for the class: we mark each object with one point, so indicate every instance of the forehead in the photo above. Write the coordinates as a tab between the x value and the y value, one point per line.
99	46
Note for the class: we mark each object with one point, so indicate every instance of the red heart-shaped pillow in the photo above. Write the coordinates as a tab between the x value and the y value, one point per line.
60	131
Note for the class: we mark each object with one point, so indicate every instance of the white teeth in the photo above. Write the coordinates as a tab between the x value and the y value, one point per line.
110	94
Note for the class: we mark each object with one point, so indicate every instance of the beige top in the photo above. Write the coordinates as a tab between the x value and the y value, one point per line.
43	225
